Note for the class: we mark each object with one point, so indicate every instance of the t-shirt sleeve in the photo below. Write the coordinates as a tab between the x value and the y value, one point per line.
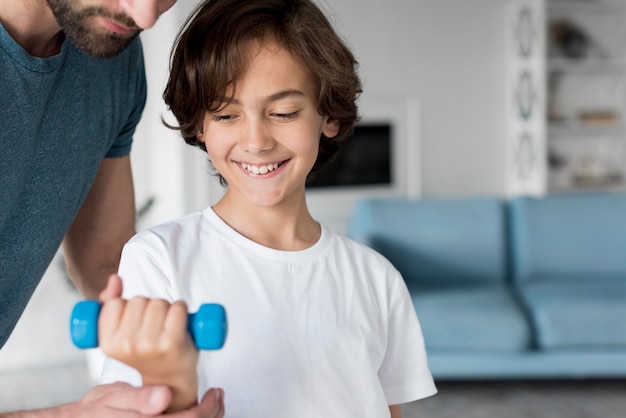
122	145
404	372
145	271
116	371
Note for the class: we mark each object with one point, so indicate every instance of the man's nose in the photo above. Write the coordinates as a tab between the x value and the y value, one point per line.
145	13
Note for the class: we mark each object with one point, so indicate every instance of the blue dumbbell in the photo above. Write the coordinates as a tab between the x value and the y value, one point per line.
207	327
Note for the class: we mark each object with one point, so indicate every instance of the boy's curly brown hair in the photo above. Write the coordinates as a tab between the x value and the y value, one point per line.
211	54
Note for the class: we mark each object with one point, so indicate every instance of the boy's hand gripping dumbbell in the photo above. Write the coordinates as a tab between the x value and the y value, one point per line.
207	327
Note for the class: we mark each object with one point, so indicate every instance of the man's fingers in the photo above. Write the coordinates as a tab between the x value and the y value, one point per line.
122	397
211	406
212	403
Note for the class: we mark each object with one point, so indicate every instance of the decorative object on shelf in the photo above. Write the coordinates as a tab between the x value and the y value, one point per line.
526	95
525	156
598	118
556	160
525	72
569	39
586	94
554	83
593	171
525	32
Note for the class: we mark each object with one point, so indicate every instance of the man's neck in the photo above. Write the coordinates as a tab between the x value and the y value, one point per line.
32	25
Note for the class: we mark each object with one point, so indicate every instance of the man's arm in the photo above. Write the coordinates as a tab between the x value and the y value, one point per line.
105	222
117	399
120	400
396	411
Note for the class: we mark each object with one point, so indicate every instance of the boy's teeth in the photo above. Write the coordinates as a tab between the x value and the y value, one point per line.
264	169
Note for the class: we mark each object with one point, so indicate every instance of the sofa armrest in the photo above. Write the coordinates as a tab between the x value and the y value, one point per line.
438	240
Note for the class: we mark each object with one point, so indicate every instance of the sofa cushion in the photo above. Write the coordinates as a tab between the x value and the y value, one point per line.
474	318
569	237
436	240
567	314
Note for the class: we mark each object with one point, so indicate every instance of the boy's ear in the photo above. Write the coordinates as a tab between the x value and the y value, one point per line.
200	129
331	128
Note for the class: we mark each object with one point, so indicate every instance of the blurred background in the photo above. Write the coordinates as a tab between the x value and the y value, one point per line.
461	98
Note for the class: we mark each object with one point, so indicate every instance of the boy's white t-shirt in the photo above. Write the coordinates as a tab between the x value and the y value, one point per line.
329	331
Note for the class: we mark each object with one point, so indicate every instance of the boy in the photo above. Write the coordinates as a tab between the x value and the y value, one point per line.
318	325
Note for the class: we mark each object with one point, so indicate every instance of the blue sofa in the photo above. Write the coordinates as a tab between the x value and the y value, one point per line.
510	289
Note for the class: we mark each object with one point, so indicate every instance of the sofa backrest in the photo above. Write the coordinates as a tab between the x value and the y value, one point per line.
566	237
436	241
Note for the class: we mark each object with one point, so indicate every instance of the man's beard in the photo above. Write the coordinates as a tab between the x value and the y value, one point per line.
77	28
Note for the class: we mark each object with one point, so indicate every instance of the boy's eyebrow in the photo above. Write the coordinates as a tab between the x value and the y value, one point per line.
283	94
271	98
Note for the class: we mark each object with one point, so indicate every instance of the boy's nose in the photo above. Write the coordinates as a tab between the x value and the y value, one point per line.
145	13
256	138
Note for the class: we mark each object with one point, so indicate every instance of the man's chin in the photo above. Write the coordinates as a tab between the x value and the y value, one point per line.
95	31
103	46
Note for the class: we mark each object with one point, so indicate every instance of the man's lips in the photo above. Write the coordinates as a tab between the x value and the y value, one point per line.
117	28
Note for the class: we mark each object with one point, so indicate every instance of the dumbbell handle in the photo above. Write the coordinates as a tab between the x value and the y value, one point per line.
207	327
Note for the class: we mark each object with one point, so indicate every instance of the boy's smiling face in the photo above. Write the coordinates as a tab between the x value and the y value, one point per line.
265	138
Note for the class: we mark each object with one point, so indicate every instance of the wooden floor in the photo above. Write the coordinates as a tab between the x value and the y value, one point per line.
525	399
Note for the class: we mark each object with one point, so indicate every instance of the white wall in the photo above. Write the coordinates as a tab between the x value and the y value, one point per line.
164	167
42	335
450	54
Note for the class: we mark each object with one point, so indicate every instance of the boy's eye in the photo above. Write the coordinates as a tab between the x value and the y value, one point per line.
285	116
222	118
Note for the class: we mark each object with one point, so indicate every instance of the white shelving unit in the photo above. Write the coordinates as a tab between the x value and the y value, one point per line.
586	94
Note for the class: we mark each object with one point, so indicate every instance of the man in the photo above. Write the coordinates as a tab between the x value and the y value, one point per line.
72	89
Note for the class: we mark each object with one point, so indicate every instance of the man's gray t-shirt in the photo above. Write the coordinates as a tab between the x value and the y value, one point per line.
59	117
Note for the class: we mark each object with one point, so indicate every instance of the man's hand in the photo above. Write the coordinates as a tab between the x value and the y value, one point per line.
123	400
211	406
120	400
